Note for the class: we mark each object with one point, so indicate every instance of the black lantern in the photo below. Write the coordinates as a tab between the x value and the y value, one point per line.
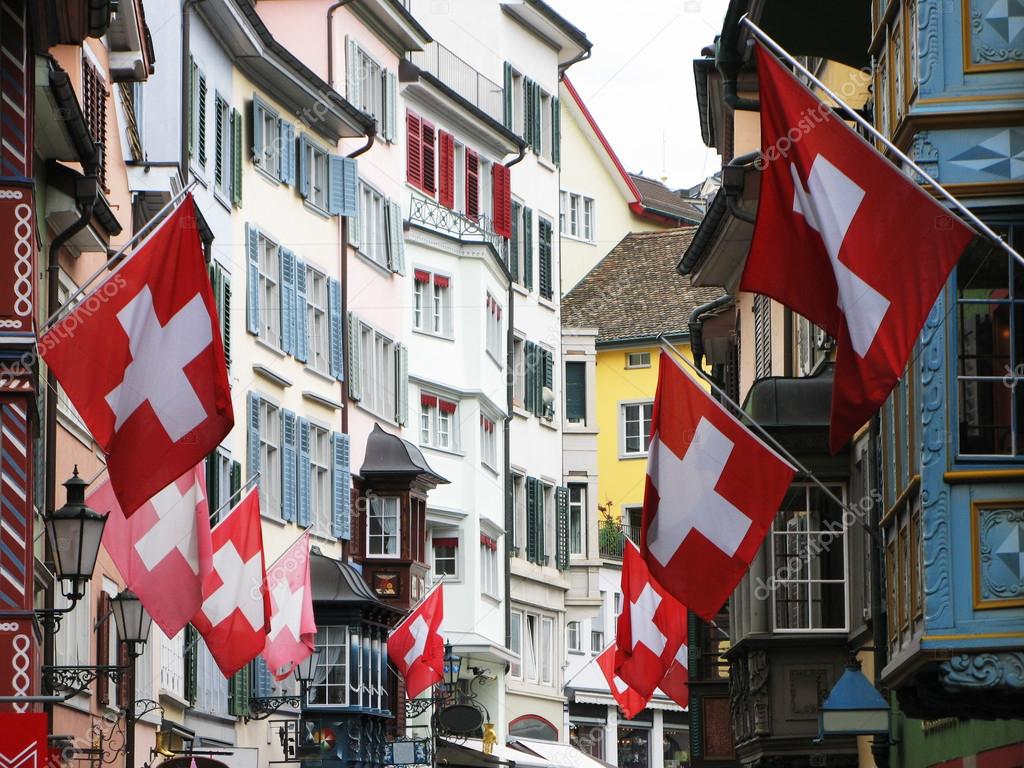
452	667
306	669
75	532
133	621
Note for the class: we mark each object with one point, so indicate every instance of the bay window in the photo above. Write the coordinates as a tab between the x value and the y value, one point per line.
432	303
488	443
489	566
382	529
329	686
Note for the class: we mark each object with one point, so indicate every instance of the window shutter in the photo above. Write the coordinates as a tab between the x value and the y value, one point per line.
446	169
528	111
301	346
513	246
341	501
286	152
236	157
219	148
262	682
536	130
103	646
413	149
254	435
236	479
334	329
202	119
351	73
355	387
303	180
354	222
238	692
305	470
502	199
547	359
390	105
191	664
343	186
528	248
530	393
287	300
213	489
225	308
508	101
429	165
472	184
252	249
401	384
575	391
556	133
396	238
532	551
257	132
191	102
289	464
544	258
562	528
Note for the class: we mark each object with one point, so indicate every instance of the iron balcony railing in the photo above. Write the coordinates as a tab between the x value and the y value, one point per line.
612	539
478	90
432	215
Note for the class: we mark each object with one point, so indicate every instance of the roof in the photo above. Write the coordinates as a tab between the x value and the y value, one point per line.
635	291
388	454
656	197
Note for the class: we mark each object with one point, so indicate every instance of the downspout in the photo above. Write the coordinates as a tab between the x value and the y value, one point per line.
696	325
583	56
880	745
330	39
728	61
186	94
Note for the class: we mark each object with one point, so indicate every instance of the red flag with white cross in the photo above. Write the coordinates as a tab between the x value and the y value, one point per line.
142	361
713	489
650	629
235	615
415	646
630	702
292	635
847	240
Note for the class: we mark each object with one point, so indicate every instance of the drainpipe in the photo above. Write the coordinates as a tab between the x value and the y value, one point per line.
575	60
186	95
507	429
729	61
330	39
880	748
696	324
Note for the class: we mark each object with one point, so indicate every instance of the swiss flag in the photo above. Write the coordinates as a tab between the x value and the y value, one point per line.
234	616
292	635
141	359
415	646
630	702
676	683
712	492
847	240
650	628
167	541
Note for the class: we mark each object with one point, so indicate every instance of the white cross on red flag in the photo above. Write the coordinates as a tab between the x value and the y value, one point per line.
630	702
712	491
292	635
166	541
235	615
415	646
847	240
142	361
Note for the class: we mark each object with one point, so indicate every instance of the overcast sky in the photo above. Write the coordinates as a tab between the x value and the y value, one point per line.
638	83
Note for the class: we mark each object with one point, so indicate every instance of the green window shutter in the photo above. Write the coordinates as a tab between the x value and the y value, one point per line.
513	246
528	248
236	157
221	285
236	478
562	528
536	118
202	119
548	358
508	102
213	489
544	258
576	391
218	136
355	387
239	692
556	133
191	663
191	106
532	551
530	393
528	111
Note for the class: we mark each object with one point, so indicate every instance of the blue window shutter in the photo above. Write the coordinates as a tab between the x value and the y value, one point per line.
303	183
355	387
341	508
254	434
301	347
286	153
289	465
396	238
305	467
262	682
287	300
336	329
252	249
336	185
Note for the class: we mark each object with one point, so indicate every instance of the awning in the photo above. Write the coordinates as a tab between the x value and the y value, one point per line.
561	755
606	699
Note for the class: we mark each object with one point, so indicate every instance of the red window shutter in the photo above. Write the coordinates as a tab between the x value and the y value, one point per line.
472	184
429	165
502	199
446	180
413	151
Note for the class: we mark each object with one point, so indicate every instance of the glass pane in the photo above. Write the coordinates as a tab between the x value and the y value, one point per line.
984	339
791	605
981	277
985	418
790	555
828	606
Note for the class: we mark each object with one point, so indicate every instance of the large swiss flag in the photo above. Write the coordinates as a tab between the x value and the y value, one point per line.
415	646
630	701
847	240
142	361
713	489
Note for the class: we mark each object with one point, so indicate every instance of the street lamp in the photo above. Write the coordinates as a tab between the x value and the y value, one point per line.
452	667
854	707
133	623
262	707
74	532
306	669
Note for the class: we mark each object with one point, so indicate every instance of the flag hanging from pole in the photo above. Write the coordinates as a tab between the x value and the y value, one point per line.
292	635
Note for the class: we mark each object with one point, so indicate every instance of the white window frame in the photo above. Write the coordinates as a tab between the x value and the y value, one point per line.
327	637
270	161
531	648
624	419
596	640
547	650
376	506
518	511
641	363
588	219
456	559
368	83
437	429
489	445
319	352
516	644
377	372
489	571
319	174
224	148
373	237
172	663
270	458
432	305
269	287
579	507
321	478
519	372
494	328
572	636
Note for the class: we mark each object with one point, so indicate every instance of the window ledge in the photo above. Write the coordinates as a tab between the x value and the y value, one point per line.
374	263
271	519
549	303
321	400
447	451
549	423
577	238
628	456
178	699
490	469
320	374
576	653
432	335
314	208
491	598
386	419
543	162
579	429
518	288
495	360
198	173
219	197
272	376
267	175
518	410
277	351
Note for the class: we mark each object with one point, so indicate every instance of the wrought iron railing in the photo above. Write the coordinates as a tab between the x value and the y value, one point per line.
454	72
432	215
612	539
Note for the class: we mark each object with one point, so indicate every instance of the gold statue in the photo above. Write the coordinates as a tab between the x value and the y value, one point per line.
490	738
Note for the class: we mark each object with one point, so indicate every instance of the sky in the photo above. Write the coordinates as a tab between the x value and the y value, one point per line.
638	83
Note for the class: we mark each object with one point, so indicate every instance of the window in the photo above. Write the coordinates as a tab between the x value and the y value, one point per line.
269	289
315	183
270	458
438	424
197	115
268	141
588	220
488	443
172	663
588	738
572	636
94	109
547	645
634	746
531	647
809	557
446	558
520	245
489	566
518	510
372	240
576	216
421	141
372	88
546	126
617	604
320	476
432	303
515	625
319	353
596	641
576	392
990	352
377	364
330	683
519	372
494	344
636	428
382	527
577	518
638	359
762	336
539	385
533	727
72	645
537	509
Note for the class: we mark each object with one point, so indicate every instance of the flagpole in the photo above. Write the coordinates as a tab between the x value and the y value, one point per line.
145	229
967	213
767	436
231	498
306	530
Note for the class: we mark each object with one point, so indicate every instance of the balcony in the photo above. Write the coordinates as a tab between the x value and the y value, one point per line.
612	538
483	93
432	215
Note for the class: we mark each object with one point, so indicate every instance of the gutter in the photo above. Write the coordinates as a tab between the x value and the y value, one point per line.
696	325
729	61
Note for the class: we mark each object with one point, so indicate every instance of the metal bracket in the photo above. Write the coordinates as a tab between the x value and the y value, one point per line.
262	707
78	679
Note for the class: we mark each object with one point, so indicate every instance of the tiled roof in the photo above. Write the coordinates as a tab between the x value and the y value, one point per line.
635	291
660	199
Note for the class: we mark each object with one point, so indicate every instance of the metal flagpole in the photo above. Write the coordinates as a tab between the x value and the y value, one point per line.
978	224
146	230
768	437
231	498
306	530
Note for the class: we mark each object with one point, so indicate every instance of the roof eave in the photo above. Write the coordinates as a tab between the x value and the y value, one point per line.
394	22
544	22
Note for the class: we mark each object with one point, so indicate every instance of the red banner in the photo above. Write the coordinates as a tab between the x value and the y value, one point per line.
17	262
23	740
